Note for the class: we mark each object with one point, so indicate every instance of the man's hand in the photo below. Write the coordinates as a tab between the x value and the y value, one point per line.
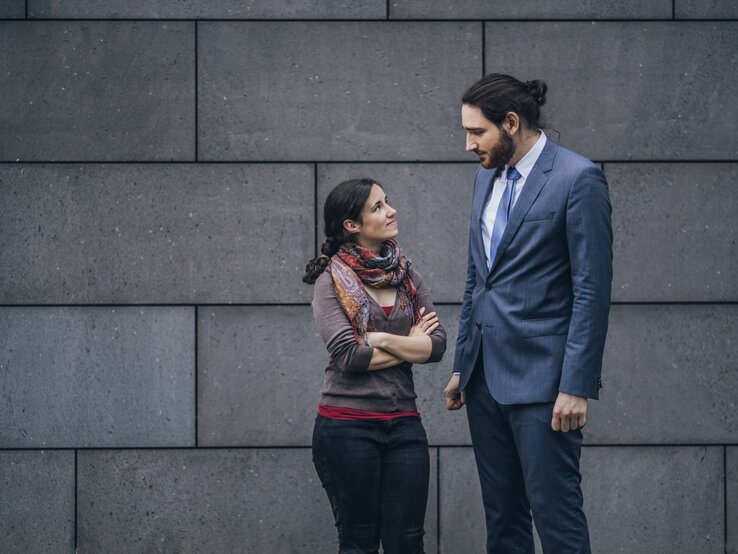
454	398
570	412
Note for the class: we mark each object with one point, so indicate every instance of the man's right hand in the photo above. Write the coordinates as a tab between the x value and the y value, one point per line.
454	398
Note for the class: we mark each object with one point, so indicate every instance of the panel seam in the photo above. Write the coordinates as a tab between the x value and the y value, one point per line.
438	499
298	304
307	447
8	162
583	20
725	497
315	207
76	508
484	48
197	370
197	96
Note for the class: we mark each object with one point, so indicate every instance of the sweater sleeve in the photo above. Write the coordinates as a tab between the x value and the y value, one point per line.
335	328
438	337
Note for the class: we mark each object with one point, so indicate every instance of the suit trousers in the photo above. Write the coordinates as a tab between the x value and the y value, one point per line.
525	466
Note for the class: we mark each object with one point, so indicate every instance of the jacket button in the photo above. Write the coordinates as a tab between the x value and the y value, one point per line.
479	325
488	286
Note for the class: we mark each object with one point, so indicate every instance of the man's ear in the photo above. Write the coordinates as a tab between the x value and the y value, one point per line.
512	122
351	226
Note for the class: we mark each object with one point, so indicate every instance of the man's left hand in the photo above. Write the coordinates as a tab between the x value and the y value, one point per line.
570	412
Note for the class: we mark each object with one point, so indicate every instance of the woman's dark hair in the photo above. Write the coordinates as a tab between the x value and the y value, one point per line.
344	202
498	94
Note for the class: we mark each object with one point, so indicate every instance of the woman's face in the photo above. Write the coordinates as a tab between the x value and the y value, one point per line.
378	221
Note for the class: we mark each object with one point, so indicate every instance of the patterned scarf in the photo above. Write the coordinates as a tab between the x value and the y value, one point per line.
354	266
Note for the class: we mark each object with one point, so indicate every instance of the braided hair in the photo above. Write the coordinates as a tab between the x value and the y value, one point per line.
344	202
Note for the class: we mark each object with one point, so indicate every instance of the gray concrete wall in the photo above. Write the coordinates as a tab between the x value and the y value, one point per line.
162	172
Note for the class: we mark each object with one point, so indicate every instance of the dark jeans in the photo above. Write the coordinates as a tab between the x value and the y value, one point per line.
376	476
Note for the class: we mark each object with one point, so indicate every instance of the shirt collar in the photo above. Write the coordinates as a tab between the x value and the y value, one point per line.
526	163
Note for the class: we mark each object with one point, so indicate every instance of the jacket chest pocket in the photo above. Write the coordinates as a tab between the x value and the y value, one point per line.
540	217
546	326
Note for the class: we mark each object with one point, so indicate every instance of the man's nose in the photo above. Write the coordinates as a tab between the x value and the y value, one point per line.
471	144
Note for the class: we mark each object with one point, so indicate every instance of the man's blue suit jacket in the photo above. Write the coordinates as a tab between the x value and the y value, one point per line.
540	314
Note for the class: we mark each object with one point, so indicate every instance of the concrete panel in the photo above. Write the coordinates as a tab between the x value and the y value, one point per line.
13	9
656	500
155	233
433	203
204	501
97	91
201	501
706	9
731	497
97	377
660	500
669	376
443	427
431	514
37	510
675	232
530	9
252	356
260	374
658	359
461	511
623	91
334	91
220	9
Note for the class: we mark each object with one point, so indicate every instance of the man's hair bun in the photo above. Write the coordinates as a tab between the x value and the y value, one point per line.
537	90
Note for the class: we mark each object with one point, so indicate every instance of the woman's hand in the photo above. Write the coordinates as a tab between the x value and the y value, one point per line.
414	348
427	324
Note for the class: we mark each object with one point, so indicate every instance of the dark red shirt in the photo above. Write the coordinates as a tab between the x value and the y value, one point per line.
350	414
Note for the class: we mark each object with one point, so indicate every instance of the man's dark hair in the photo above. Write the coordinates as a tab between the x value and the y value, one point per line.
497	94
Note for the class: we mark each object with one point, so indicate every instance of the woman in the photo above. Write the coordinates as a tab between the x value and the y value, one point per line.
376	317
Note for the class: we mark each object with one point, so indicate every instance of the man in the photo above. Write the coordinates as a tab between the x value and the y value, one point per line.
534	317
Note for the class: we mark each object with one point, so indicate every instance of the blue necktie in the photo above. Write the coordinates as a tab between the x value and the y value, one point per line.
503	212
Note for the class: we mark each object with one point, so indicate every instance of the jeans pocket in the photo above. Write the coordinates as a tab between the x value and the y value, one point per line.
414	430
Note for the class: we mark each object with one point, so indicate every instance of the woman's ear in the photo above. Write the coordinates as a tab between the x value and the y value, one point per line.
351	226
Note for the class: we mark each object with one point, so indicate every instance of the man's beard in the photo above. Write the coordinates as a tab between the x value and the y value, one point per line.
501	153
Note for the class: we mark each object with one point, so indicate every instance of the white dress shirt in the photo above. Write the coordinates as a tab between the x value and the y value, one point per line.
524	167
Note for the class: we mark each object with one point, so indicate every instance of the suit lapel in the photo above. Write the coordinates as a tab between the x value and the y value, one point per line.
482	191
531	189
